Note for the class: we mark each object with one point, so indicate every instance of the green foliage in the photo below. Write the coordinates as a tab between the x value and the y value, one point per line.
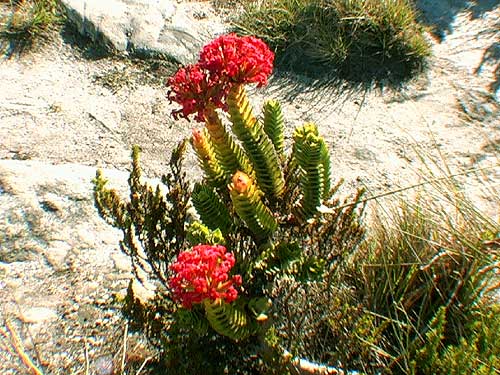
152	222
229	154
260	198
211	209
408	299
274	125
207	159
426	357
28	22
257	144
194	319
356	39
272	245
477	352
427	260
197	233
260	307
228	319
313	161
424	258
250	208
215	354
288	259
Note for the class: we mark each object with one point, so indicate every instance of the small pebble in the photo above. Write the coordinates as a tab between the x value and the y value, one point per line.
38	314
104	365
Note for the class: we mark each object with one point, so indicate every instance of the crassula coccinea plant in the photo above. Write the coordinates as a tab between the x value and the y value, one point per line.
262	216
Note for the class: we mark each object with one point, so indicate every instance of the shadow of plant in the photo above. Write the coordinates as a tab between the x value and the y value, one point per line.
491	57
440	14
89	49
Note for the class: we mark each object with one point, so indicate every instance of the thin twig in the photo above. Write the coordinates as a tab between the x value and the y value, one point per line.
4	342
124	353
143	364
86	352
18	346
405	188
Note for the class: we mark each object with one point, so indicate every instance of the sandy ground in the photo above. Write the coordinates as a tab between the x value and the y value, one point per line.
67	104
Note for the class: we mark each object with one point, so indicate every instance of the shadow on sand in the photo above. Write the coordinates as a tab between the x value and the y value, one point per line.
440	15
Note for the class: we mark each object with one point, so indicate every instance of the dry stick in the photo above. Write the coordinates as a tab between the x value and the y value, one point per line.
18	346
28	332
124	354
4	342
299	366
86	351
146	360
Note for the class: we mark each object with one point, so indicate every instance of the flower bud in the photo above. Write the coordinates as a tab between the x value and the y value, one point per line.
241	182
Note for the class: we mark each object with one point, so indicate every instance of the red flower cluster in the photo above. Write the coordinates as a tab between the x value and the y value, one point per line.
238	59
226	61
192	88
203	273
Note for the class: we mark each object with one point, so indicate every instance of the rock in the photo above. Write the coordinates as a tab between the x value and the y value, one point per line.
56	254
104	365
122	262
143	292
4	268
146	26
38	315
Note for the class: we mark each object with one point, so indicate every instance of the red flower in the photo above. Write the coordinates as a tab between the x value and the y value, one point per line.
203	273
226	61
238	59
195	91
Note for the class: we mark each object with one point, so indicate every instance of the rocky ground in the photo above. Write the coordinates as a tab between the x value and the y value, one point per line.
67	109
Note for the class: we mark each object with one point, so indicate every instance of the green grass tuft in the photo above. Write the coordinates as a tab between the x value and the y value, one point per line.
25	23
429	264
361	40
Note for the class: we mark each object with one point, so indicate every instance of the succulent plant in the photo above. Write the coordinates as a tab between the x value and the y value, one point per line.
253	199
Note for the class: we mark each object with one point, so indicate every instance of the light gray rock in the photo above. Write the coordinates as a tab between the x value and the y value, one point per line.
56	254
143	291
121	262
147	26
37	315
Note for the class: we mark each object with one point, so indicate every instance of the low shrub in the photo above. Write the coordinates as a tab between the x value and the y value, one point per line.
425	261
267	226
476	352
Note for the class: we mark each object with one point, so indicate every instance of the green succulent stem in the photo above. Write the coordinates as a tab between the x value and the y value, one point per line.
274	125
247	202
227	319
228	153
207	159
257	144
213	213
313	161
